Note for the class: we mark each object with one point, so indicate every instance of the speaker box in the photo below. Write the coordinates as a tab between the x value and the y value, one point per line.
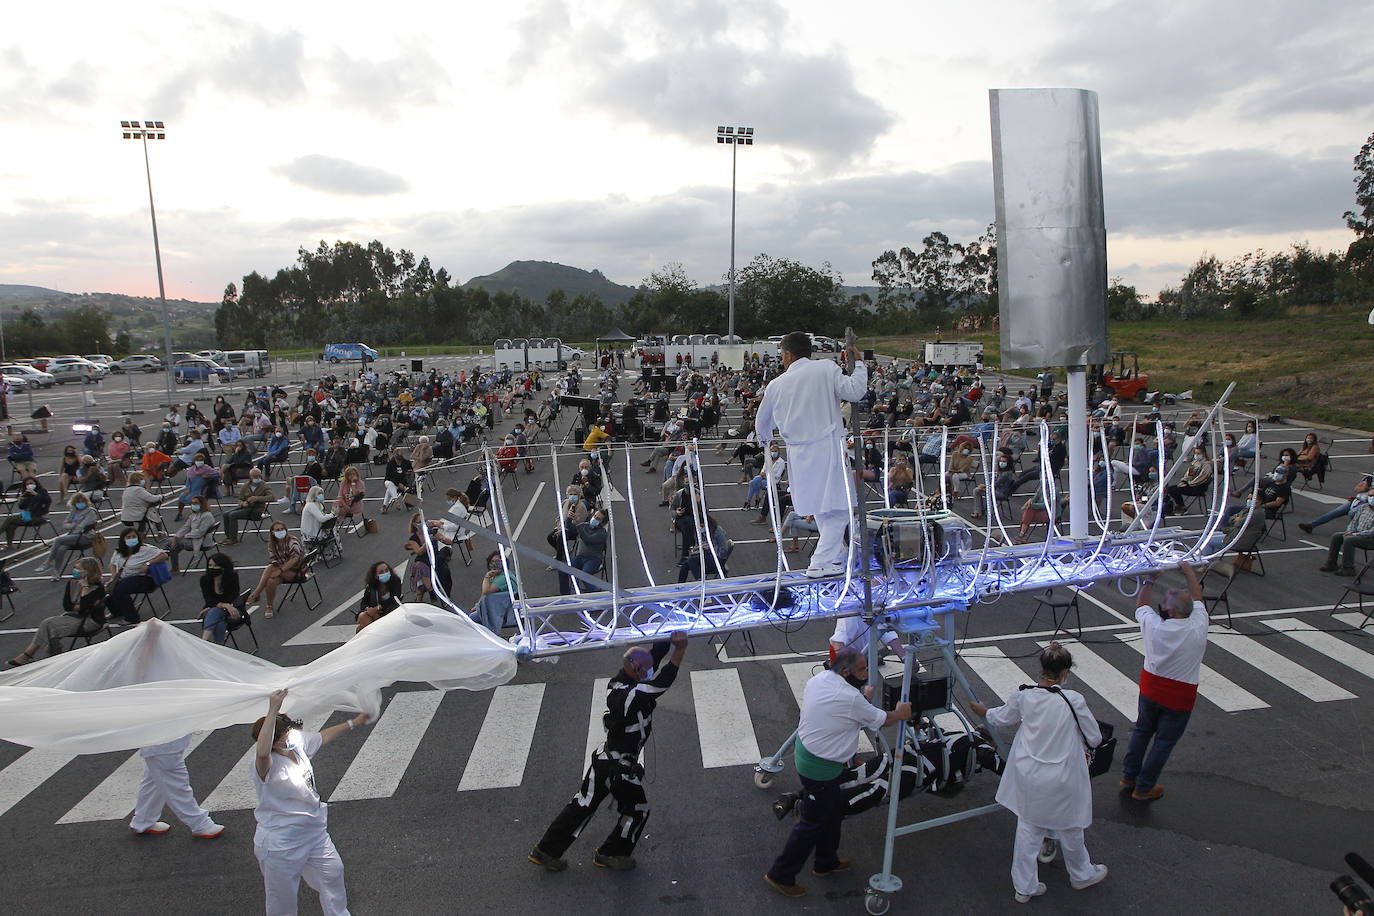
417	365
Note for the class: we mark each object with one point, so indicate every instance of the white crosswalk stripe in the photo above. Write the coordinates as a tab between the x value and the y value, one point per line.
1104	680
28	773
1001	675
377	769
235	790
1224	692
503	745
596	731
114	798
724	728
1333	647
1279	667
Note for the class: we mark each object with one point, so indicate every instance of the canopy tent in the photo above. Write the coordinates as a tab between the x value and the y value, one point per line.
615	336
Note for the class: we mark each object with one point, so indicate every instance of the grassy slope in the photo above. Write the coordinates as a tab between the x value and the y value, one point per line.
1317	366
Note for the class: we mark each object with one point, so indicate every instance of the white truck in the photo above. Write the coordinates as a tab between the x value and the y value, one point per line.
953	353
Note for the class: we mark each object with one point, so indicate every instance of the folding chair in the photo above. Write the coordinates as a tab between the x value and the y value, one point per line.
7	590
298	587
300	485
480	512
1059	612
1247	550
1212	602
327	543
90	635
161	574
463	547
1278	520
202	553
1360	587
257	525
36	525
244	621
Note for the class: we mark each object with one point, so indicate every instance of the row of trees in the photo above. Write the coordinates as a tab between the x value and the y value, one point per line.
85	329
369	292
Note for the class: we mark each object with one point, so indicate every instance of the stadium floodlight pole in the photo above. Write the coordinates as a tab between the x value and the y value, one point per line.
735	137
154	130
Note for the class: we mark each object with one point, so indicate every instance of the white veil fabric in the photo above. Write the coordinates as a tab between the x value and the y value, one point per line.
154	682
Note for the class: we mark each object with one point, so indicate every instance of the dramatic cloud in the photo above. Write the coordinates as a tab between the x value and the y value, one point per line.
340	176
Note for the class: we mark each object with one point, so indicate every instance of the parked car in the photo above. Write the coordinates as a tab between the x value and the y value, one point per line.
36	378
18	381
200	369
215	356
247	362
341	352
100	359
41	363
137	362
75	369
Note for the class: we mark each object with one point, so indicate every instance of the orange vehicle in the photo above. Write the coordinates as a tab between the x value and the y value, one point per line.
1124	378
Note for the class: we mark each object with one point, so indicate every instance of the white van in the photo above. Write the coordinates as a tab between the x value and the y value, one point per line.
248	362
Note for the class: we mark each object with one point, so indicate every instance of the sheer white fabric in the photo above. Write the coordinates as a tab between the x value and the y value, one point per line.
156	682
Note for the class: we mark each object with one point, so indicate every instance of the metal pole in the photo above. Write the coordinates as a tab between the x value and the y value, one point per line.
2	337
1077	378
734	159
161	287
129	374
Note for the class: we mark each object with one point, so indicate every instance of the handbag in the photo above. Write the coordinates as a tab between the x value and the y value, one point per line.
370	525
1100	757
98	546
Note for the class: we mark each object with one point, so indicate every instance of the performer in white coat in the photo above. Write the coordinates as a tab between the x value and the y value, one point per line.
803	404
1045	783
166	782
292	841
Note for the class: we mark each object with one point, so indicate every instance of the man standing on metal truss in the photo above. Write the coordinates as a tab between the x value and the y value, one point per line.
615	769
803	403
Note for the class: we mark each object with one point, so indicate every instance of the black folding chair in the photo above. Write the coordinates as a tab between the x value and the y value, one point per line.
202	553
1059	612
160	579
89	634
1222	597
306	577
1361	588
244	621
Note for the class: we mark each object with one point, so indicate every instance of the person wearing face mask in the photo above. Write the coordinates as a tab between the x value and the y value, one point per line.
29	512
899	483
615	771
284	558
82	613
1045	783
66	470
129	573
963	466
167	439
219	590
382	590
834	708
254	497
1197	477
314	513
506	456
497	595
21	455
1274	493
776	467
82	519
191	535
1358	534
1004	483
201	480
593	536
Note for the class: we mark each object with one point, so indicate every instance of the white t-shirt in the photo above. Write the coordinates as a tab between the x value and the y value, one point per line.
852	632
287	799
1173	646
832	712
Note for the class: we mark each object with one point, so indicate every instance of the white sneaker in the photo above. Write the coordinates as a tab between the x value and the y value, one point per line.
1099	874
157	829
825	570
1026	898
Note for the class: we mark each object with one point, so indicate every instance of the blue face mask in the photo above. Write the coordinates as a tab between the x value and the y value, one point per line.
80	505
195	507
76	574
131	542
384	577
593	522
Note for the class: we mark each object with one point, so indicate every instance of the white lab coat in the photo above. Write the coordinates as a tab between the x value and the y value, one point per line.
804	405
1046	778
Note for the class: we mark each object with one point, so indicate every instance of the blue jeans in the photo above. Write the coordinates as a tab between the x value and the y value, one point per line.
756	488
493	609
587	565
1157	728
217	622
1332	515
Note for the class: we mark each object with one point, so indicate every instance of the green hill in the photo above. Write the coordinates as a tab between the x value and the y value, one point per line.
193	323
536	279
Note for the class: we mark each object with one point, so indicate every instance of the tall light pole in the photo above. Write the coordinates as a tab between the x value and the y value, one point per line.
735	137
153	130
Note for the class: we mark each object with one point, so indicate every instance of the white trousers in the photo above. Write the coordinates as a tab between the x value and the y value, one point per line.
830	546
317	862
1025	870
166	782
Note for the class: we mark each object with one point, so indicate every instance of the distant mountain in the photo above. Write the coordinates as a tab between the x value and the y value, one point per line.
536	279
14	292
192	322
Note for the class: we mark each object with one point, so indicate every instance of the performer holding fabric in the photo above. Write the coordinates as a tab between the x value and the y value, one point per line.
615	769
804	405
166	782
292	841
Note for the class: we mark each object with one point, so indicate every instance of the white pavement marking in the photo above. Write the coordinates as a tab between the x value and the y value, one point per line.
1338	650
723	725
236	790
1001	675
114	797
503	745
1320	497
28	773
612	494
1281	668
1104	680
1225	693
596	730
1092	599
320	633
1355	619
377	769
534	501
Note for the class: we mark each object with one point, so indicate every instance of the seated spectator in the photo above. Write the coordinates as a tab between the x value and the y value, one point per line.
82	614
899	483
1274	494
398	478
201	480
1033	512
66	470
777	465
1361	495
30	511
381	594
314	514
1358	534
793	525
75	534
497	597
154	465
352	491
254	497
21	456
1312	461
219	590
1196	479
129	574
716	552
137	503
593	536
284	559
1249	442
191	536
278	446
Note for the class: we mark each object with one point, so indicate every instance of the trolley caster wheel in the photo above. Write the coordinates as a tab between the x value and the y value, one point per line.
762	779
1049	848
876	903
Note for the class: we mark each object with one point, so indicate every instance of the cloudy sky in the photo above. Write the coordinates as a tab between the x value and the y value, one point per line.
583	132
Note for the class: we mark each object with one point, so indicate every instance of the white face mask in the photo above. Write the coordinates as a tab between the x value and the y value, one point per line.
279	534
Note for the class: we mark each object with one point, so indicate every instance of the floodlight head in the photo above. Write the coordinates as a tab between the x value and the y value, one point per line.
124	124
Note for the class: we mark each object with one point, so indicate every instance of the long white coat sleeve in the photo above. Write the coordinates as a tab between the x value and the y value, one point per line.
1046	778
